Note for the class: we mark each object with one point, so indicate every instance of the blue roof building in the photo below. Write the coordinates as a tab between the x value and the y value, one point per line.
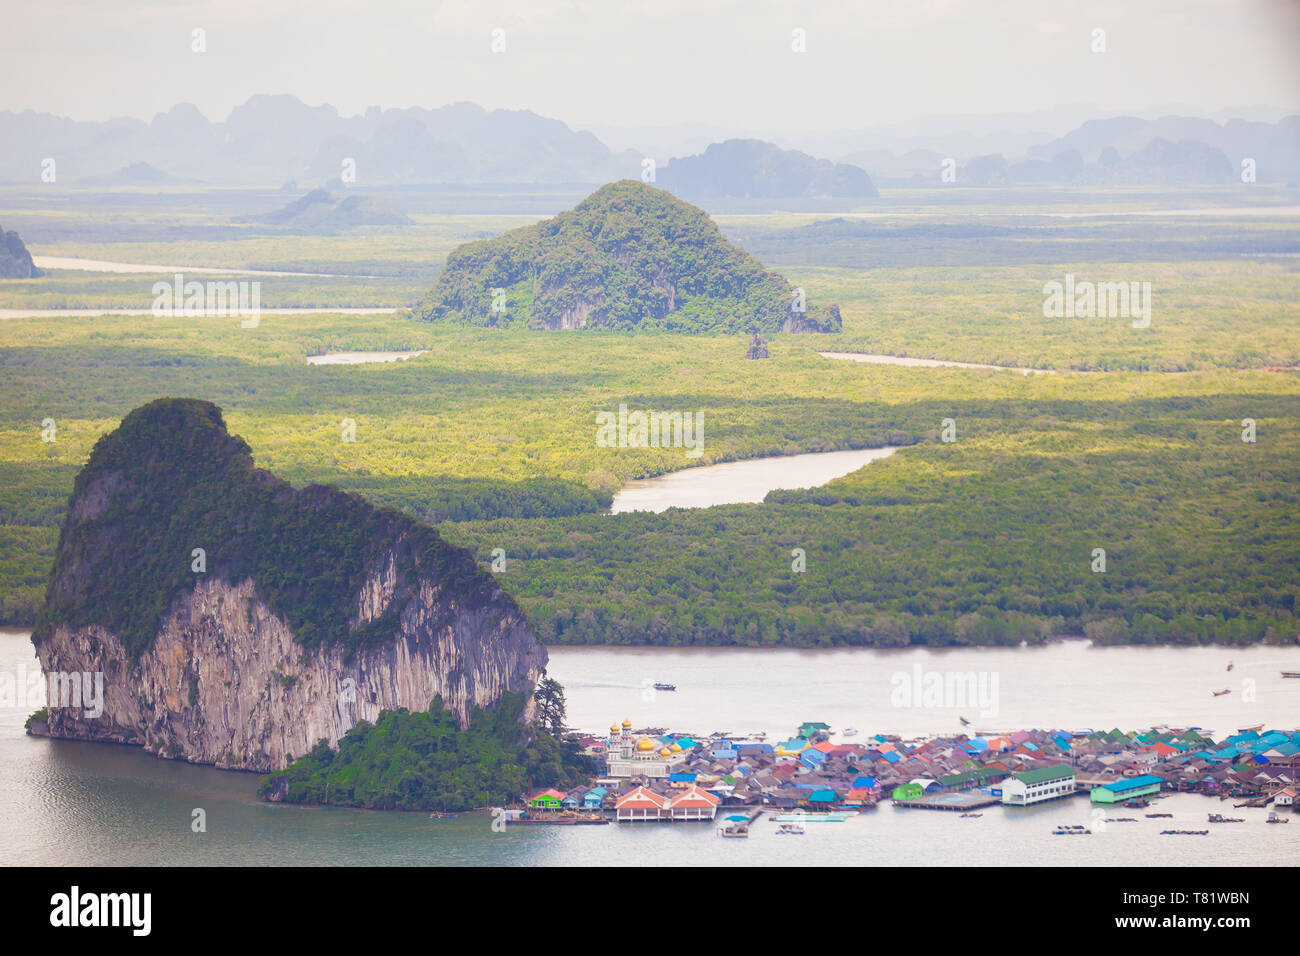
812	758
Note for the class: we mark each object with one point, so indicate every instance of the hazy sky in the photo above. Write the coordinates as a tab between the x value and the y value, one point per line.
721	62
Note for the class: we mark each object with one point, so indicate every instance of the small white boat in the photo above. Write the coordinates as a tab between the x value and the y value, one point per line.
790	829
850	731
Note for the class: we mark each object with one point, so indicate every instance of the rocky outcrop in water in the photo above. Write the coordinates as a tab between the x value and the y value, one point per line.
310	610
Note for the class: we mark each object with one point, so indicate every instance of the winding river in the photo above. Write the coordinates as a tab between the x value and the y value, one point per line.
360	358
97	313
928	363
100	265
741	482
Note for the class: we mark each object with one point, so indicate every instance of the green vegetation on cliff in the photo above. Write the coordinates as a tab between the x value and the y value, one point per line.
425	761
171	480
629	256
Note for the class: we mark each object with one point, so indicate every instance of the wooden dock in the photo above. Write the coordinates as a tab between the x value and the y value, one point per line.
560	819
959	802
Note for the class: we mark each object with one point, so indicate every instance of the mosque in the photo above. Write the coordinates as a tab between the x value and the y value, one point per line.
627	756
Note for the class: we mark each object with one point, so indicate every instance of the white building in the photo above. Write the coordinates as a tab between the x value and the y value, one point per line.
626	757
1038	785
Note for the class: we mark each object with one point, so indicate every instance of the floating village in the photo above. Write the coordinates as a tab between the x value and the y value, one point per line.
820	776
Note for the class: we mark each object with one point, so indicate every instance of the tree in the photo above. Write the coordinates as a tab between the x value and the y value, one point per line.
549	698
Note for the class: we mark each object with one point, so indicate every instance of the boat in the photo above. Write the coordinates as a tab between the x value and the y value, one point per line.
964	721
1229	665
1071	831
1121	820
1137	803
1220	693
734	827
1183	832
972	814
1274	818
1246	730
850	731
1291	673
790	829
1152	816
1220	818
659	686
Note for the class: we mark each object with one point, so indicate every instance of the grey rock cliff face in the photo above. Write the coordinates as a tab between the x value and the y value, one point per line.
15	260
225	683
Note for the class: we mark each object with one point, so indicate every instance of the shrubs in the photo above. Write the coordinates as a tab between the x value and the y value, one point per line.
425	761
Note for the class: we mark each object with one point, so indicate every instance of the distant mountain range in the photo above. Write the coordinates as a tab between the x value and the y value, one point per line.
1123	151
272	139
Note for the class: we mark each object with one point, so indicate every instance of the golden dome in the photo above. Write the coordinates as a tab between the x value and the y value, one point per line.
665	752
613	728
627	725
645	745
676	748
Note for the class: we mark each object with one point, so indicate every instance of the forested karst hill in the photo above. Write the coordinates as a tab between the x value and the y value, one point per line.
629	256
239	620
319	211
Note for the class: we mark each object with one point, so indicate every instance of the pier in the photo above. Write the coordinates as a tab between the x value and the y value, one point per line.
961	802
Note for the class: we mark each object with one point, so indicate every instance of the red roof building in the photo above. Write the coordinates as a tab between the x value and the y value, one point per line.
640	804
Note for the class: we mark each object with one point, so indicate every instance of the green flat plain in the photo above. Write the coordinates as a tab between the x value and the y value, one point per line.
985	540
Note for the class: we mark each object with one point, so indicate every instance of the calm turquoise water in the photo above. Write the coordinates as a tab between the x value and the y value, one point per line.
64	802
